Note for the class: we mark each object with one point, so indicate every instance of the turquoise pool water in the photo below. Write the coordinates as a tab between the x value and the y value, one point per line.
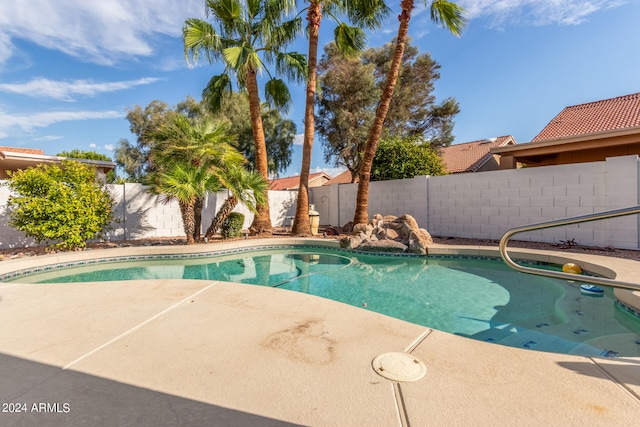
477	298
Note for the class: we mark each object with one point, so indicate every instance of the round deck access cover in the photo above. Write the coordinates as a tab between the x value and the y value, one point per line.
399	367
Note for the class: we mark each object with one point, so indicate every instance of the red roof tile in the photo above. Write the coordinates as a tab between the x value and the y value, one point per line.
23	150
470	156
343	178
599	116
292	182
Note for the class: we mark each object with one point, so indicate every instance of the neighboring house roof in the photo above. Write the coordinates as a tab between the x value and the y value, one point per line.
16	158
582	133
292	182
343	178
470	156
600	116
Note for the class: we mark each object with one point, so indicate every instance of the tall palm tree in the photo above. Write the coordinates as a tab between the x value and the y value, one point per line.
251	34
450	16
244	187
350	40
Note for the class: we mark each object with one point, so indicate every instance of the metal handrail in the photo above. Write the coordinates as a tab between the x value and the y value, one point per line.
568	221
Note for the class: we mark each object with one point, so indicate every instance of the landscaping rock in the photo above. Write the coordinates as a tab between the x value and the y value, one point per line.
382	246
419	240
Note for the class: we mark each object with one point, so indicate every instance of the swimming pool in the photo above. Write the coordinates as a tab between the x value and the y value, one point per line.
477	298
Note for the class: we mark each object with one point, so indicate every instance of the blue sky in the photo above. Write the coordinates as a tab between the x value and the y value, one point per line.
70	68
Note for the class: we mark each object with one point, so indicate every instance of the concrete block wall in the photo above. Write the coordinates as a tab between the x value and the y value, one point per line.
139	214
485	205
336	204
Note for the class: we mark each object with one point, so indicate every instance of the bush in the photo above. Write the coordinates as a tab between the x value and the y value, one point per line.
59	203
402	158
232	226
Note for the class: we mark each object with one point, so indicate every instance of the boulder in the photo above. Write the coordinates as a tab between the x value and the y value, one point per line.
351	242
419	240
382	246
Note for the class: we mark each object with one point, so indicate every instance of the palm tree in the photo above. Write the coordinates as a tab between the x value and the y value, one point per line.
244	187
189	158
443	12
349	40
250	35
188	184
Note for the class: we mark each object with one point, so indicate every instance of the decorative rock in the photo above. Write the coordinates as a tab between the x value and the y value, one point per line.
332	231
348	227
362	228
419	240
382	246
350	242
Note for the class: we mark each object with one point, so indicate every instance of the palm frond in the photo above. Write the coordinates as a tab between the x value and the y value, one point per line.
292	65
366	13
349	40
449	15
217	89
277	94
200	37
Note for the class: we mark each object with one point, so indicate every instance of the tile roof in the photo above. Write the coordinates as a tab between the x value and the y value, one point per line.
599	116
470	156
292	182
22	150
343	178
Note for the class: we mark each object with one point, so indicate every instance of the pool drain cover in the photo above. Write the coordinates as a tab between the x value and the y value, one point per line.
399	367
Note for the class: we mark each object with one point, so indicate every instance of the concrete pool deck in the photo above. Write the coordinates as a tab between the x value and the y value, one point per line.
176	352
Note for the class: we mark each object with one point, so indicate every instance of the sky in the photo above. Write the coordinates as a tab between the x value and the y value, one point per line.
69	69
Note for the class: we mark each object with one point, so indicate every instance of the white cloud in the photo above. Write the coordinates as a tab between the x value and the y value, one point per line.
98	31
64	90
298	139
109	147
535	12
47	138
92	145
9	122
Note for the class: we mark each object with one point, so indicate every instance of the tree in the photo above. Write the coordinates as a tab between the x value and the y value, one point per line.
401	158
246	187
413	110
249	36
279	133
346	107
349	40
187	155
443	12
59	203
91	155
351	89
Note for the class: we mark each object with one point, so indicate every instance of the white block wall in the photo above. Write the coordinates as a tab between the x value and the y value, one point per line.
478	205
139	214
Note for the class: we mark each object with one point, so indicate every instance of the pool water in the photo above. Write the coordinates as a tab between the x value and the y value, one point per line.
480	299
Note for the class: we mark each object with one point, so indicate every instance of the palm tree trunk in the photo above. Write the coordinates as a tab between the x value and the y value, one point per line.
197	216
261	224
227	207
301	226
362	201
188	222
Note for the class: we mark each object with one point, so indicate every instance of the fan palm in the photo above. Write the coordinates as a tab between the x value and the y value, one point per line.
451	17
246	187
349	40
190	157
188	184
250	35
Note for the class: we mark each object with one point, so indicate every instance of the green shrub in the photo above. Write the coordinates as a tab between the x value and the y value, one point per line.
232	226
59	203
